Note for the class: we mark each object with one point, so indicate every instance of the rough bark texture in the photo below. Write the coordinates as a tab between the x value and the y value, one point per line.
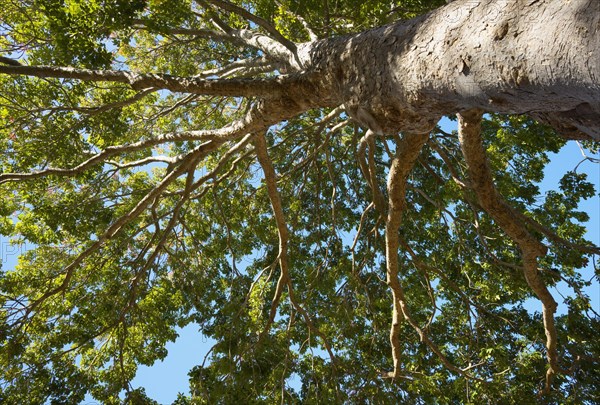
540	58
535	57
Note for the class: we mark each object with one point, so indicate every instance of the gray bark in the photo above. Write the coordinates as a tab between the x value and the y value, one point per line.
535	57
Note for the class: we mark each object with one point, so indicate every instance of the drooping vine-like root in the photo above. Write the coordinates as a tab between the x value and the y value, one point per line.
481	181
406	154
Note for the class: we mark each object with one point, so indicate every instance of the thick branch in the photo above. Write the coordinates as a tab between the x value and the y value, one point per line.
264	88
260	144
283	232
408	150
407	153
481	180
525	57
367	166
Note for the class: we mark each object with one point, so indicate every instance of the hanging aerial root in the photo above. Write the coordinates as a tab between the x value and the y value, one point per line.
407	152
481	181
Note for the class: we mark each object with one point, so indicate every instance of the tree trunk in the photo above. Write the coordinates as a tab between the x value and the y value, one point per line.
535	57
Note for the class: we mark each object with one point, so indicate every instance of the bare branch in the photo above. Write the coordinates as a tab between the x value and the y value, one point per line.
272	49
224	159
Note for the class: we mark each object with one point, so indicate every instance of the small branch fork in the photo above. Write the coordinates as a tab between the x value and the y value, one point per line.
481	181
284	280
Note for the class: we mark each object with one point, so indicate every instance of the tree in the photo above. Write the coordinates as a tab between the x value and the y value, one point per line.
225	163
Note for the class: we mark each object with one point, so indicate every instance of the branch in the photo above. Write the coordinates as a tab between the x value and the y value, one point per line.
282	229
480	175
255	87
260	144
9	61
555	238
250	66
196	32
225	5
185	163
260	117
143	162
407	153
222	161
135	282
549	233
311	33
276	47
455	176
367	166
272	49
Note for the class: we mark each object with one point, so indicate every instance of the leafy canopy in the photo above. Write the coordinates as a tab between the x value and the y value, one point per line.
129	238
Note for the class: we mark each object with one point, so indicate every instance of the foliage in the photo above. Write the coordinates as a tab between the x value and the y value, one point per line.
96	295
